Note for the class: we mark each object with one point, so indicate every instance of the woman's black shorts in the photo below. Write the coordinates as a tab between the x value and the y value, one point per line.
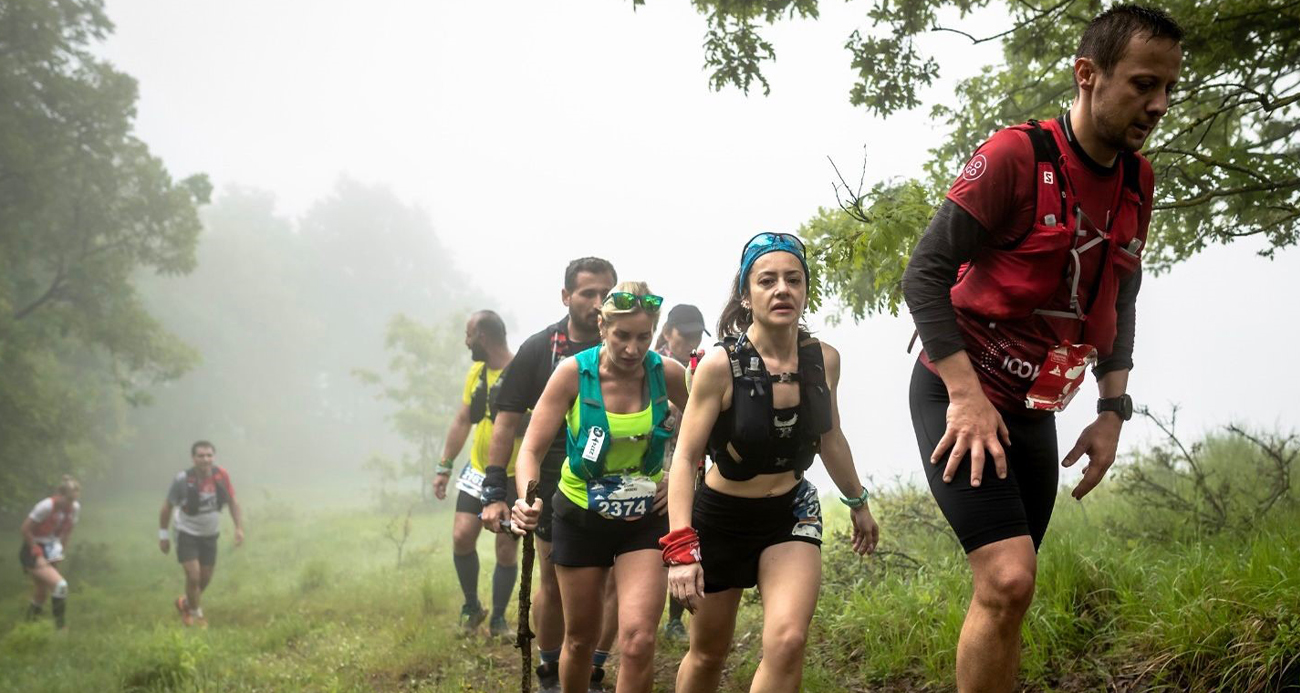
734	531
997	509
582	539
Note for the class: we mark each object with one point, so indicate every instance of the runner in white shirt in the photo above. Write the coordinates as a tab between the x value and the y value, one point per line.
45	540
194	502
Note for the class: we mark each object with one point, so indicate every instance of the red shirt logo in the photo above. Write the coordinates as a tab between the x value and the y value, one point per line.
975	167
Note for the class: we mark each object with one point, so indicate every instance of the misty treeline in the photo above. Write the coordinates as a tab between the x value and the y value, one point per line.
283	312
137	314
274	318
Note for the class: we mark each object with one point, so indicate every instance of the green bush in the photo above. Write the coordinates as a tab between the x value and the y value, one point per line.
165	661
27	638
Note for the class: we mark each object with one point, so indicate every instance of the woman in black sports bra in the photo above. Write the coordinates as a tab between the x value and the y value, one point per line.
762	407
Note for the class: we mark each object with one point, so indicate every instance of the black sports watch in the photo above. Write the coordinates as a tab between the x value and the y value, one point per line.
1122	405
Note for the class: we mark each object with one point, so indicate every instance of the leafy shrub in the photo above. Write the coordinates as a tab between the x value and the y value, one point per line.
166	661
1226	481
26	638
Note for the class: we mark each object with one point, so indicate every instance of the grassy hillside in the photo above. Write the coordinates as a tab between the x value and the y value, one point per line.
1130	596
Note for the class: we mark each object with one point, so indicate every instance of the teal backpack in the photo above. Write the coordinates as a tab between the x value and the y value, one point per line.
591	414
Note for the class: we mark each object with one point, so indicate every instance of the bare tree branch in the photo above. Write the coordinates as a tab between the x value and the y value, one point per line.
1228	192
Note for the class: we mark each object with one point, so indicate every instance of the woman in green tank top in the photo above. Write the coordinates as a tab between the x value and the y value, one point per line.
609	511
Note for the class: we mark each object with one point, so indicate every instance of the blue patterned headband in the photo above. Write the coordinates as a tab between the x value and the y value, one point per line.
765	243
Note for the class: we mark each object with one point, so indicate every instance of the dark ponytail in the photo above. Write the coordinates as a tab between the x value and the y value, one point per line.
735	318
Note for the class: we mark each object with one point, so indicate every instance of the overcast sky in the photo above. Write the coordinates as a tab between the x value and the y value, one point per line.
536	131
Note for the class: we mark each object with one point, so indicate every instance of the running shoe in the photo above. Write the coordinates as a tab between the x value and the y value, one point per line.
674	630
33	612
471	617
548	678
181	606
499	627
597	677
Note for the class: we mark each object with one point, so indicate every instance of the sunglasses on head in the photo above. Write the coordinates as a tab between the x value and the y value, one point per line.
768	238
622	300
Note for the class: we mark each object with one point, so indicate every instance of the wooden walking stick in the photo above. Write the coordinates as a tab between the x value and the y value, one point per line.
524	637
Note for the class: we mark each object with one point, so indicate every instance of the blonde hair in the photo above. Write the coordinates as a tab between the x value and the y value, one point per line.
608	312
67	486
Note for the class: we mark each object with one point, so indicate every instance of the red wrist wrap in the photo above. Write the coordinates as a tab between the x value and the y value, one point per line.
681	546
37	550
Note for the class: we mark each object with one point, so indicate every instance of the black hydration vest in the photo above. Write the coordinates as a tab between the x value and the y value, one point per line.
748	427
192	483
483	402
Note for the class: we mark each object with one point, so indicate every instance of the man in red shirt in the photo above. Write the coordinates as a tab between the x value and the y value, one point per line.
1027	275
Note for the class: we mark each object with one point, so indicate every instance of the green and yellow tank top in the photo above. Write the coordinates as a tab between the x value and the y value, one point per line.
630	435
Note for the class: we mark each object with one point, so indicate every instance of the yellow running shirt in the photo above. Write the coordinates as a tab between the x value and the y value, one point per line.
478	451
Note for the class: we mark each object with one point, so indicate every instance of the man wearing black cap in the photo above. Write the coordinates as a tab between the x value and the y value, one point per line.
681	334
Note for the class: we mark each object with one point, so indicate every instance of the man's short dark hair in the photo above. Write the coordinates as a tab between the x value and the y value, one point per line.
594	265
1108	34
491	325
194	449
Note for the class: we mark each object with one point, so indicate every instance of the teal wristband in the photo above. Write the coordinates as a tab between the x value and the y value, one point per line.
858	502
445	467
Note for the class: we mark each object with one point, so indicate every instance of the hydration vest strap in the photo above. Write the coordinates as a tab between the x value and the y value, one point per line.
1132	173
591	414
559	343
653	460
479	404
1046	151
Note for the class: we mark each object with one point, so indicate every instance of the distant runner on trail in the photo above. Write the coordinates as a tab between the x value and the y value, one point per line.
194	501
485	336
586	283
45	533
608	515
1027	276
679	339
763	406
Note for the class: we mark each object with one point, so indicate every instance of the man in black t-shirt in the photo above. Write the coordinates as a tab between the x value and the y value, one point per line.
586	283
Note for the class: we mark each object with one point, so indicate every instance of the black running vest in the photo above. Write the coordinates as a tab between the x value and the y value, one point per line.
748	428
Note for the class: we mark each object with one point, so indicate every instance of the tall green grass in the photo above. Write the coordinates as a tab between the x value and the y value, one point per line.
1128	597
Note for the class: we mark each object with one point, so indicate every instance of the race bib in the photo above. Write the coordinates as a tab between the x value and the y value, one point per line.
1059	378
53	551
470	481
621	497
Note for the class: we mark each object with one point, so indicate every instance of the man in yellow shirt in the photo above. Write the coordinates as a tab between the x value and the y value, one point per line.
485	336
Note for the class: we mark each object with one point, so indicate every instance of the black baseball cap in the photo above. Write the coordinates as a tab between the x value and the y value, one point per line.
686	318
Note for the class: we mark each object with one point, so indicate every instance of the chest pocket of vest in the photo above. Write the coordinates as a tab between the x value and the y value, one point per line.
816	400
1001	281
1128	247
